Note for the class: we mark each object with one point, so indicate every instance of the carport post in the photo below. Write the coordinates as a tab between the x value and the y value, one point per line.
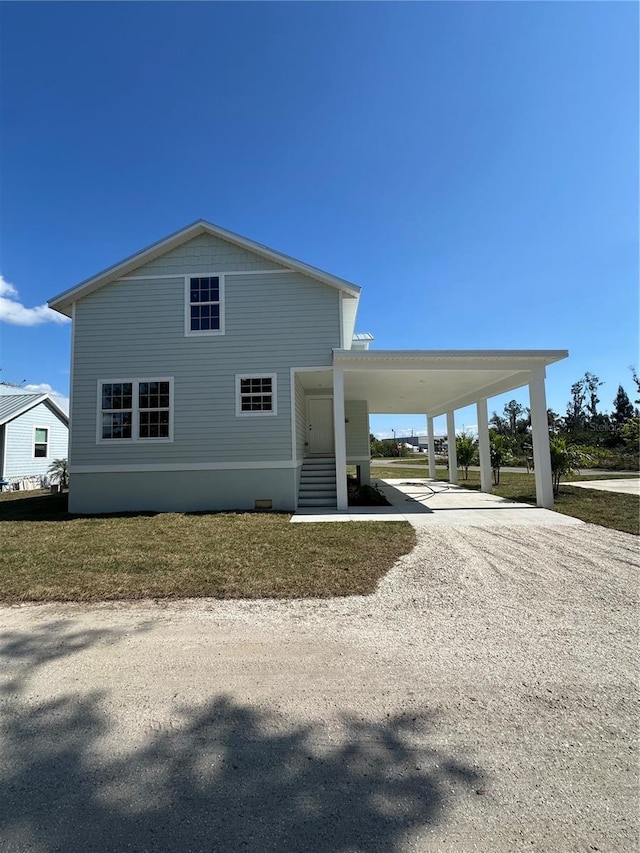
340	441
484	446
431	448
451	442
540	436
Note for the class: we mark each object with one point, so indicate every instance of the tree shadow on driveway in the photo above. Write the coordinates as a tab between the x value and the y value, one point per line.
224	776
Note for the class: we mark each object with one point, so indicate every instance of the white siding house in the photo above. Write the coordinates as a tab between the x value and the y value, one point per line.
207	374
34	431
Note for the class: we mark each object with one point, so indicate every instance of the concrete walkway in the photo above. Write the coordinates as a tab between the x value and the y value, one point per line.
424	503
624	487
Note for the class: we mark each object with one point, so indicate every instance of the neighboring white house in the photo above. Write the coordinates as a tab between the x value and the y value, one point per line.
34	431
210	372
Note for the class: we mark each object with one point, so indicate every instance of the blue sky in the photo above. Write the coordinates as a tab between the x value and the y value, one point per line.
473	166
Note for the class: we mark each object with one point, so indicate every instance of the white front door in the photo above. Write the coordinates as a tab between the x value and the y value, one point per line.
320	425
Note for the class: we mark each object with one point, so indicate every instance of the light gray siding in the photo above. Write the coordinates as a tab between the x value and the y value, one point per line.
183	491
203	254
18	459
135	330
357	429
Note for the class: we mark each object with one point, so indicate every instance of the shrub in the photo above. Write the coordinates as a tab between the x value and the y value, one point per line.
565	459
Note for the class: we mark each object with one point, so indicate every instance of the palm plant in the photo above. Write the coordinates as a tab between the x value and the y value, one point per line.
466	446
59	471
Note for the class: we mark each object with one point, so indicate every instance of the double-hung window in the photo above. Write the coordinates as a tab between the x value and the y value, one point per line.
40	443
256	394
117	410
205	305
135	410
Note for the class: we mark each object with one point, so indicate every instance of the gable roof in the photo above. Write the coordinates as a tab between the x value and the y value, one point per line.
13	405
63	301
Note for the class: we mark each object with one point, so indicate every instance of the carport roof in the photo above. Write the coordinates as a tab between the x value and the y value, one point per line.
436	381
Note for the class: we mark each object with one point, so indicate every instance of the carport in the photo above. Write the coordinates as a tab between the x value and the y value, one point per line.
438	382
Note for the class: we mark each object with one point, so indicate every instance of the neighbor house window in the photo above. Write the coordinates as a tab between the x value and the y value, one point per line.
41	443
256	395
134	410
205	305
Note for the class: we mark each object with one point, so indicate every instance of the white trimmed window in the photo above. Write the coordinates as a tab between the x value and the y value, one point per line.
204	305
40	442
256	394
135	410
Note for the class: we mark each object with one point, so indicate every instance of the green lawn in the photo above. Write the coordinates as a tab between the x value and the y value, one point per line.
609	509
47	555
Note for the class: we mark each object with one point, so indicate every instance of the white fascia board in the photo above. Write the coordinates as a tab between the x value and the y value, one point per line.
62	303
445	359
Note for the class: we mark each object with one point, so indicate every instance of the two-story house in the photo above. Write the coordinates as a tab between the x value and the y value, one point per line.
210	372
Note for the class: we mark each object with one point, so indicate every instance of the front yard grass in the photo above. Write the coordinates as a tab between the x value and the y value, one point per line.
609	509
47	555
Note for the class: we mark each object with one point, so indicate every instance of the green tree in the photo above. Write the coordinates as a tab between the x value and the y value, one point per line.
553	419
59	471
622	408
636	382
631	434
591	385
499	424
565	459
575	418
466	447
501	448
512	412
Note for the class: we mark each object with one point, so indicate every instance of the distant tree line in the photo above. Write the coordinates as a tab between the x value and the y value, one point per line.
586	435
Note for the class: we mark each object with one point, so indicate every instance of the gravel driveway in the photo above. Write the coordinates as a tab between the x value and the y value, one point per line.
485	699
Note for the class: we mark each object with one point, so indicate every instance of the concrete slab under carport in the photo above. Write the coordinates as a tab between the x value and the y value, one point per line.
425	503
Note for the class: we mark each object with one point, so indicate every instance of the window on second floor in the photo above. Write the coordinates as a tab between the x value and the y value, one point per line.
204	305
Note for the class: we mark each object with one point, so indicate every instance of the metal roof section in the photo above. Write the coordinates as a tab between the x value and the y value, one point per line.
361	340
13	405
63	301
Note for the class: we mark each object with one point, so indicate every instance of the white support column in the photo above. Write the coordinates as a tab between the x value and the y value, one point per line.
431	448
484	446
540	436
451	442
340	439
365	473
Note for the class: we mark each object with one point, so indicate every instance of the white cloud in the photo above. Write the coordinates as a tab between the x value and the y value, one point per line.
14	312
45	388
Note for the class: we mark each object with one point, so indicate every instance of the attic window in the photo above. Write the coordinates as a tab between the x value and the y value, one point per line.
204	305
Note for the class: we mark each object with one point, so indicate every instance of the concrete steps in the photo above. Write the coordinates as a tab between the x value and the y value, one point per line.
318	482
